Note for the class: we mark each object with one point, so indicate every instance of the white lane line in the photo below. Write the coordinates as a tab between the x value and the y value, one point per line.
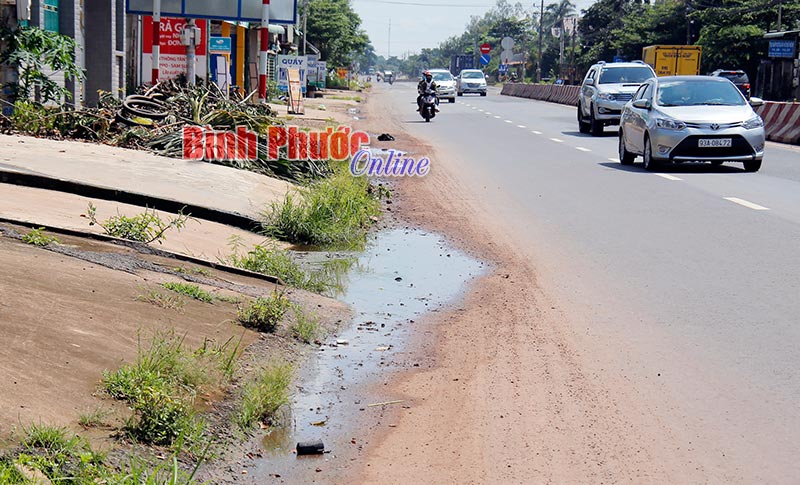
521	126
557	140
508	121
473	107
479	109
668	176
746	203
614	159
583	149
488	113
496	117
536	132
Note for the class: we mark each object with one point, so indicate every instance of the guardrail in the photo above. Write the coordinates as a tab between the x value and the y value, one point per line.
781	120
544	92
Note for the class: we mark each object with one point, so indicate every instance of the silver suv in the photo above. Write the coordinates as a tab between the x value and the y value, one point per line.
605	90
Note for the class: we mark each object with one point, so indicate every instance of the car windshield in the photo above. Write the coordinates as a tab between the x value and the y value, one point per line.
736	77
698	93
472	75
442	76
623	75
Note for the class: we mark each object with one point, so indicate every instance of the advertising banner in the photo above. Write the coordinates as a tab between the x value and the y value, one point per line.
172	60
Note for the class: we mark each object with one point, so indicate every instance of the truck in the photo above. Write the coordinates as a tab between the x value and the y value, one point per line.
672	60
459	62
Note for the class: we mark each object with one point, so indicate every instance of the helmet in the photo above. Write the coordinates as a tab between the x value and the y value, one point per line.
426	73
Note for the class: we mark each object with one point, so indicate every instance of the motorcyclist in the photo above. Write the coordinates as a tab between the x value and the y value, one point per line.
427	84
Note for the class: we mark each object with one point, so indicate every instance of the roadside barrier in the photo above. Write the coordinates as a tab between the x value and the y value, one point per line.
544	92
781	121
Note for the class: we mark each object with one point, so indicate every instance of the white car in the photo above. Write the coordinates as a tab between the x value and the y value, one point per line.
445	84
471	81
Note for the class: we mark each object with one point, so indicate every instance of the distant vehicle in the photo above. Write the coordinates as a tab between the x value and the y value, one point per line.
460	62
445	84
605	90
371	71
738	78
691	118
673	60
471	81
388	76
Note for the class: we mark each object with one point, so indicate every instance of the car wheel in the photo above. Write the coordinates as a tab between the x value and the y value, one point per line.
596	126
625	157
460	93
583	126
483	94
647	158
752	166
452	100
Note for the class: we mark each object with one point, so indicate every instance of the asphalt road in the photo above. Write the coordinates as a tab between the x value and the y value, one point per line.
685	284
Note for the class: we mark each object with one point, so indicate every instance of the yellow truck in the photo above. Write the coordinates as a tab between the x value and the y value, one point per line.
671	60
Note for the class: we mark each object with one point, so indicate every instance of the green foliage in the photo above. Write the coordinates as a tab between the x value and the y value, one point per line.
35	51
263	397
163	300
93	419
145	228
335	28
270	260
160	388
190	290
37	237
264	314
60	455
305	327
335	212
9	474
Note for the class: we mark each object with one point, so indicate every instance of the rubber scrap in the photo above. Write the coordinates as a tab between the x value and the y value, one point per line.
310	448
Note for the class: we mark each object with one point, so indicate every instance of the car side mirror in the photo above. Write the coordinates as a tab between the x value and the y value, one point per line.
756	102
589	82
642	104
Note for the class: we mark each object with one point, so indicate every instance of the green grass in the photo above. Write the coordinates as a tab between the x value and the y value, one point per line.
160	387
190	290
305	327
163	300
264	396
93	419
37	237
264	314
192	271
273	261
334	212
9	474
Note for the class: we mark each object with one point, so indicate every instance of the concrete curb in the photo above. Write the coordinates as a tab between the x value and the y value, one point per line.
106	193
150	249
544	92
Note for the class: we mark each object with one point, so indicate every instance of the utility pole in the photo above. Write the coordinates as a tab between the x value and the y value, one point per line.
780	12
539	59
389	49
191	58
688	25
305	26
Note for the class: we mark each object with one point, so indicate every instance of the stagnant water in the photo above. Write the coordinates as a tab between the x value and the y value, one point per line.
402	275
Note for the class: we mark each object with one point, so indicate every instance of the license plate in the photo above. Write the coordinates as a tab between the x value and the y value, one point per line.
713	142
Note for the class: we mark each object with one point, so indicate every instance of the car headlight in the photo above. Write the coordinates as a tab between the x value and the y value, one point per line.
753	123
605	96
669	124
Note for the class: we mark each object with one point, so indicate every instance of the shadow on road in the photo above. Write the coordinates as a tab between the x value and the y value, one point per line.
677	168
606	134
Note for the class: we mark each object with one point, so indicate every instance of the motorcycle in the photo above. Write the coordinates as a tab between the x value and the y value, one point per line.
391	80
429	102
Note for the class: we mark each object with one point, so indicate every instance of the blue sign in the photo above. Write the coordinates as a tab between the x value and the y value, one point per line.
485	58
782	48
503	68
619	59
219	45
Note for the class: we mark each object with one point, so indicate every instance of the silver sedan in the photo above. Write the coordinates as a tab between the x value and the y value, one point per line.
691	118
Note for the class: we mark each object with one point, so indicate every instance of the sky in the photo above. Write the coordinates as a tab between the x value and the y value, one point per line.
416	24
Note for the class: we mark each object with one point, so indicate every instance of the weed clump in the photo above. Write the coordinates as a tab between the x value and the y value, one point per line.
190	290
263	396
264	314
146	227
37	237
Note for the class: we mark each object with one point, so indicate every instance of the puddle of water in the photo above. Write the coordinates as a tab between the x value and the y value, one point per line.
402	275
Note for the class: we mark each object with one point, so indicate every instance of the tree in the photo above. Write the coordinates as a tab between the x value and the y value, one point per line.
34	52
335	29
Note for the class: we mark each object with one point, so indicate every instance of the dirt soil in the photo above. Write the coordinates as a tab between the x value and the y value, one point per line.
504	392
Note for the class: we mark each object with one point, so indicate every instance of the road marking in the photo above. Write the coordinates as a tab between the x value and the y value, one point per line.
473	107
614	159
557	140
488	113
583	149
536	132
521	126
508	121
747	204
496	117
668	177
